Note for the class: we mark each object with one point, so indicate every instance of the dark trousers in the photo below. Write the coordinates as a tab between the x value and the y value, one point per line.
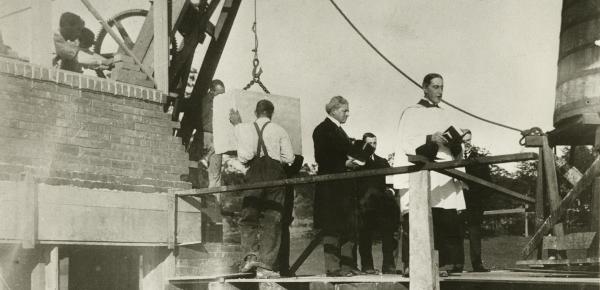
447	237
472	218
260	225
379	213
365	248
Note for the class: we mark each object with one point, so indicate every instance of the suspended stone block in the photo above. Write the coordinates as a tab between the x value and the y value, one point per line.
287	115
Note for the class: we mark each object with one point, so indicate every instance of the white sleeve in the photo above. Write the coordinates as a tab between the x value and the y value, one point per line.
245	148
287	153
410	133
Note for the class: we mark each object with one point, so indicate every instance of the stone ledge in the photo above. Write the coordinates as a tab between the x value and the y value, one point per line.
79	81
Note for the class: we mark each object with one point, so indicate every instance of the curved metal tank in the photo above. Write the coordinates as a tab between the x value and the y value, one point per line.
578	81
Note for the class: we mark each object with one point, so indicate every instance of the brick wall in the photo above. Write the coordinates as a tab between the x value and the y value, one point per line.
73	129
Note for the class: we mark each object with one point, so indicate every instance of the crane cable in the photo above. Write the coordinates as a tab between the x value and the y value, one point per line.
415	82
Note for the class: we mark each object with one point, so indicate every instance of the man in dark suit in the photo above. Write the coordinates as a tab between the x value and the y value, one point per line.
378	211
335	203
475	198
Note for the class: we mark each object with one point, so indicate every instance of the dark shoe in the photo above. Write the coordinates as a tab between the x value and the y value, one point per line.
339	273
390	270
370	271
443	273
480	269
458	268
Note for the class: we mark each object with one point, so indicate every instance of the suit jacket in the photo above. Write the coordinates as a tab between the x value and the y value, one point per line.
377	182
335	203
477	194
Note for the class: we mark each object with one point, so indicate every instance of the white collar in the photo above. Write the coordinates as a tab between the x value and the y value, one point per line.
334	121
262	120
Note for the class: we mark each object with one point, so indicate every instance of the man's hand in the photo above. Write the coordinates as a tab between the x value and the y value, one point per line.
234	117
350	164
438	137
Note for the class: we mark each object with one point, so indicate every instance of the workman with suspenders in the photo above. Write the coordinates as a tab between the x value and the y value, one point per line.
265	148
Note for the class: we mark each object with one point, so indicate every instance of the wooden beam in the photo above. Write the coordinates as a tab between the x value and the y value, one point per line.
595	224
211	61
42	45
161	45
117	39
552	188
423	267
505	191
586	181
504	211
307	251
52	269
172	221
539	197
366	173
29	211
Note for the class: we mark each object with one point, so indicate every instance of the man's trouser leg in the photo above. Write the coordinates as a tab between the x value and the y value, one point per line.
270	238
249	230
405	239
446	235
474	218
214	170
365	242
388	246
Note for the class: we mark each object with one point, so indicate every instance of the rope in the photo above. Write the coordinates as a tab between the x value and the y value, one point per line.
411	79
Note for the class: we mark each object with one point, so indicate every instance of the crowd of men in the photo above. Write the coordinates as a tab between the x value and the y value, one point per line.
351	213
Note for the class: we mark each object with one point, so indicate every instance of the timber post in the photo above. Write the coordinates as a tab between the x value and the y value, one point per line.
423	263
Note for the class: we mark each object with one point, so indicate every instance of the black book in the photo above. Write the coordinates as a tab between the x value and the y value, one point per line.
360	151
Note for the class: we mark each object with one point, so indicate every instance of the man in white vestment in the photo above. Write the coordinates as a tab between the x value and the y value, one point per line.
421	132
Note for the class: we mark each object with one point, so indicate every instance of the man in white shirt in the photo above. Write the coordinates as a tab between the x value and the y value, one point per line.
66	44
264	147
420	131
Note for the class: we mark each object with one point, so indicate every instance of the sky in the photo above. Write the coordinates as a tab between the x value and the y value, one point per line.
498	59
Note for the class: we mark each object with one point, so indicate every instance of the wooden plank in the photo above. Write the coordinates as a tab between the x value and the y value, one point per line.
552	183
573	241
423	269
539	196
586	181
583	261
504	211
161	45
171	221
595	222
499	189
365	173
29	212
42	45
52	269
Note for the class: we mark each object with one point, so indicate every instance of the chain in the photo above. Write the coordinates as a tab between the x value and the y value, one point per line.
256	69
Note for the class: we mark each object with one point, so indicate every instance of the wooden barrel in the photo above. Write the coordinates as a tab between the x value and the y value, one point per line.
578	80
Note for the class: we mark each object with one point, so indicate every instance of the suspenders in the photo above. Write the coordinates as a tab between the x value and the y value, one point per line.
261	142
